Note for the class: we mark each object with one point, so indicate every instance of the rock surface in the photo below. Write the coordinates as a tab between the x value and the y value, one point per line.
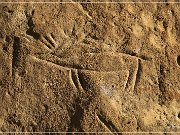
89	67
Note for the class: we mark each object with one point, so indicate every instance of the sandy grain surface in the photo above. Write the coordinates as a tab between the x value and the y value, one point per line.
89	67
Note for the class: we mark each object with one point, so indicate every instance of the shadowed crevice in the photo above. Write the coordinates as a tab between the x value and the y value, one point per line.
161	83
16	52
31	25
76	119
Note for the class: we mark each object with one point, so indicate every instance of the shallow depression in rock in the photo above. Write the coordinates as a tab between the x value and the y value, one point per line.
178	60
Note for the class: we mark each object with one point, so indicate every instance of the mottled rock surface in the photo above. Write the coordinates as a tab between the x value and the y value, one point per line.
89	67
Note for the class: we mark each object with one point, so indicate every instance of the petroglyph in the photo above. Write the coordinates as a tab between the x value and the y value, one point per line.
89	67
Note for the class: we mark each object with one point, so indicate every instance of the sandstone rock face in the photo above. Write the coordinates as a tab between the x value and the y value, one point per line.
89	67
